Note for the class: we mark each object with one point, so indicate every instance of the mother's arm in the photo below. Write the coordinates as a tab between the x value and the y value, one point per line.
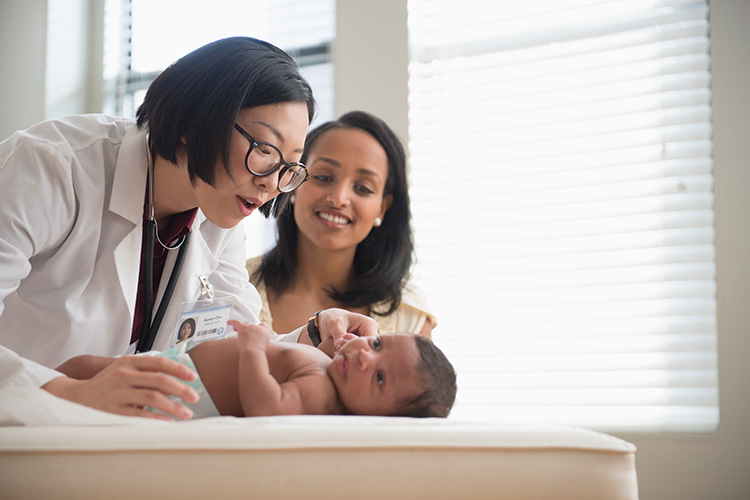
333	324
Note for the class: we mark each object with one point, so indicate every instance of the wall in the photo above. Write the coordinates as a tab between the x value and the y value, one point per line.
23	38
371	59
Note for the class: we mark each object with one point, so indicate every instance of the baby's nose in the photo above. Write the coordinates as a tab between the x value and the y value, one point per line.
364	358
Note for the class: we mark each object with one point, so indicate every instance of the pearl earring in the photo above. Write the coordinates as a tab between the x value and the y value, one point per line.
378	221
292	199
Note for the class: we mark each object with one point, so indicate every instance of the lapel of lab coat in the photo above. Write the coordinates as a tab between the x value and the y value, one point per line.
128	192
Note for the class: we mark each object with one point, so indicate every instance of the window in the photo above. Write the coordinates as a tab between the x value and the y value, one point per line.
142	37
561	183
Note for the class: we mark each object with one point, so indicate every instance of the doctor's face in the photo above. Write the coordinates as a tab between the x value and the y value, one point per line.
283	125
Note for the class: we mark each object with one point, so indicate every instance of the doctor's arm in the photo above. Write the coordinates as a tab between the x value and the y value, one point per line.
116	385
126	384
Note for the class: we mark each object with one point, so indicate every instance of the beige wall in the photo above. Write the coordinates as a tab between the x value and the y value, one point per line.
371	60
371	74
23	38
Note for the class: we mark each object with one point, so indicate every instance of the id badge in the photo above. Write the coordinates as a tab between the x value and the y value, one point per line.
205	318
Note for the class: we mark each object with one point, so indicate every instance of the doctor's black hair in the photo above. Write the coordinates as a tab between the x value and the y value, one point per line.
198	97
383	259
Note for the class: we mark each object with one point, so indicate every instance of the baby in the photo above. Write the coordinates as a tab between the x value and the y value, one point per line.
388	375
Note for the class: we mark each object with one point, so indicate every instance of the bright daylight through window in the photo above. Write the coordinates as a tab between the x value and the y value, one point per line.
563	207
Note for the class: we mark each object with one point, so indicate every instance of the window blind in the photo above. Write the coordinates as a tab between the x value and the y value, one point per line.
561	184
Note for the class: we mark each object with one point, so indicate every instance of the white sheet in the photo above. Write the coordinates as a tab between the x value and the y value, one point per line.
32	406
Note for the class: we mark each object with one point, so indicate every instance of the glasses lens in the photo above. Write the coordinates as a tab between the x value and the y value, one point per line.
291	178
263	159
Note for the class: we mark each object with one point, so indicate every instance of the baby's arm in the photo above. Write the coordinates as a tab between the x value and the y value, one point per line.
261	394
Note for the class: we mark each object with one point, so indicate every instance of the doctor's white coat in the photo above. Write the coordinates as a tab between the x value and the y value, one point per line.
72	193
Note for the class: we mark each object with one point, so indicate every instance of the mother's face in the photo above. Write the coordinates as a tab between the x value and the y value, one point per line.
338	207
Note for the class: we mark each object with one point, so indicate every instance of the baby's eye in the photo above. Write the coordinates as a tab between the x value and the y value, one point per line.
376	343
379	378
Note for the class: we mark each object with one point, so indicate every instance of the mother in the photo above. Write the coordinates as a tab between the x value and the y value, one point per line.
101	214
346	241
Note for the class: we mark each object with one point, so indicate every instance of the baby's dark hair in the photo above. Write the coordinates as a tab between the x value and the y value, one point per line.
438	379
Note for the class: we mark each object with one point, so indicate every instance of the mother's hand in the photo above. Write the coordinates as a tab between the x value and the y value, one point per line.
128	384
335	323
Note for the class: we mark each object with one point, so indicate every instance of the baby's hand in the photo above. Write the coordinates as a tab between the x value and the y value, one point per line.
251	336
341	341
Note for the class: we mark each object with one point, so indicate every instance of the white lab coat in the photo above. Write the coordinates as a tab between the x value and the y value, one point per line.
70	245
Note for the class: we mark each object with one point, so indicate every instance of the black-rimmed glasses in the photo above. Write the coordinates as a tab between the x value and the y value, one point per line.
264	159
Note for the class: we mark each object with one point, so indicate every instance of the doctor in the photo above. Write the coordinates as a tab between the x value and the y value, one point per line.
107	225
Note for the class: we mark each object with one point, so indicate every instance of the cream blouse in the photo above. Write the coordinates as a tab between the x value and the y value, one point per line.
409	317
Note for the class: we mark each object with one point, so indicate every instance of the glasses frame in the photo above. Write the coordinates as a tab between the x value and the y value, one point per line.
283	164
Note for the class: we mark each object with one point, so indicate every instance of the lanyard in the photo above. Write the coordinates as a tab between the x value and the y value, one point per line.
150	233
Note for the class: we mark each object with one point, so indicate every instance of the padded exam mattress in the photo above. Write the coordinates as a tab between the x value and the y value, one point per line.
50	448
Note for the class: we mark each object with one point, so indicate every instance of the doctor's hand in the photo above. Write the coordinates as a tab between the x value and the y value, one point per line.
125	385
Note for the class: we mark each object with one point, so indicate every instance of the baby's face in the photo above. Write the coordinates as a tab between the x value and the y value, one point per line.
376	375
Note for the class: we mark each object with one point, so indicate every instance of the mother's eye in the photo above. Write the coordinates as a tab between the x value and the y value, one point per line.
363	189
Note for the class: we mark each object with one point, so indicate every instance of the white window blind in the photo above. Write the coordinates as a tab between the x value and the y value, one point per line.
561	183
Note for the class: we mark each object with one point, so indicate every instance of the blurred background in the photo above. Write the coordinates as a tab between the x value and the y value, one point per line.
578	172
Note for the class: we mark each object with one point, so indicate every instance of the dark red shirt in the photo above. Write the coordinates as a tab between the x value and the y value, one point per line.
171	235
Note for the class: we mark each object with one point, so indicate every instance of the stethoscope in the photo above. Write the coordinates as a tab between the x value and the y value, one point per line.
151	233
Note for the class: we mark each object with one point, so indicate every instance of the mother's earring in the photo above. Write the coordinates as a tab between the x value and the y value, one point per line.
378	221
292	199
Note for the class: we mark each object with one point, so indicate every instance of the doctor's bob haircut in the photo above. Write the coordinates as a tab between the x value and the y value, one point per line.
198	97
